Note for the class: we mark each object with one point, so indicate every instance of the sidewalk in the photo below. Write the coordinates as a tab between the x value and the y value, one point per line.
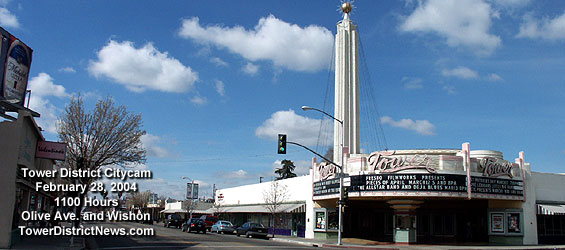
351	243
50	242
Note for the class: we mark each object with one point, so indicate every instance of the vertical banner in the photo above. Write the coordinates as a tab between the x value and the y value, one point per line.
15	62
191	191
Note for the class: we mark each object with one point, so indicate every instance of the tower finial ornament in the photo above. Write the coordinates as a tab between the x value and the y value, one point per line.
346	7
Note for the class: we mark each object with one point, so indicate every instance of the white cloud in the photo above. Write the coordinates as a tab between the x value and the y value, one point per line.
423	127
218	61
198	100
239	174
460	72
42	87
142	69
450	89
7	19
494	78
462	23
250	69
547	29
286	45
412	83
220	88
67	70
152	146
298	128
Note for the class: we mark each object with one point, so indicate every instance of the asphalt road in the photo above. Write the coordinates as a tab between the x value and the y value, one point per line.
172	238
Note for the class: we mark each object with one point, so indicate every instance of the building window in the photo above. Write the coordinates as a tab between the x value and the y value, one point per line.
321	220
333	220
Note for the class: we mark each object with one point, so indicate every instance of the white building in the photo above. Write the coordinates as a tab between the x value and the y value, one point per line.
247	203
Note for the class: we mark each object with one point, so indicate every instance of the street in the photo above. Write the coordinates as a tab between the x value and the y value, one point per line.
173	238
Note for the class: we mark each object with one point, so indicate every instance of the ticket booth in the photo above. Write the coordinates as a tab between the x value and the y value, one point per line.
404	231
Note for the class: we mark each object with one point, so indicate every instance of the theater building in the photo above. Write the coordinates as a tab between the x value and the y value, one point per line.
430	195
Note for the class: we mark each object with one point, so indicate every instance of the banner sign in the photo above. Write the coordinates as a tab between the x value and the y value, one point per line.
326	187
422	183
51	150
191	191
15	61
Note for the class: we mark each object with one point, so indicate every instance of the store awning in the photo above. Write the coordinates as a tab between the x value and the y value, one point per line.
546	209
284	208
172	211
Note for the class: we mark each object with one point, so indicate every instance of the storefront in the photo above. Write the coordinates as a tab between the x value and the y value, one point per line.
249	203
17	151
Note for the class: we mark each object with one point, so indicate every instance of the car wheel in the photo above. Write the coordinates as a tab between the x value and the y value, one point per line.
237	234
204	232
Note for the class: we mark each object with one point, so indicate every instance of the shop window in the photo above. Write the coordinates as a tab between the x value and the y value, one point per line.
508	222
325	219
320	220
333	220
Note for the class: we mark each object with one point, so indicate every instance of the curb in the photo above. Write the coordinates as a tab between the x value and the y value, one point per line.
310	244
357	247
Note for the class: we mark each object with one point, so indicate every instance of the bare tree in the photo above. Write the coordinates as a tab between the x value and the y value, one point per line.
274	196
218	208
190	205
106	136
138	199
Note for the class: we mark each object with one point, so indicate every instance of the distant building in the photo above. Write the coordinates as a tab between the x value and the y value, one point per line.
246	203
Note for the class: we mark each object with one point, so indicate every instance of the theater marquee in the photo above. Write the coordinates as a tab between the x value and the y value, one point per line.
434	175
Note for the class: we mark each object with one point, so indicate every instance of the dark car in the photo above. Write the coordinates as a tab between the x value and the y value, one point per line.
194	225
173	220
209	220
252	229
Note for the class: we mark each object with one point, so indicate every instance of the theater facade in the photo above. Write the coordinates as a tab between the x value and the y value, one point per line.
428	196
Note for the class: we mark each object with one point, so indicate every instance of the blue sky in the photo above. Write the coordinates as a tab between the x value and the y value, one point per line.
215	81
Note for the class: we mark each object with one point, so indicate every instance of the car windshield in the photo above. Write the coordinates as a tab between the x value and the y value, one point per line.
226	223
175	217
255	225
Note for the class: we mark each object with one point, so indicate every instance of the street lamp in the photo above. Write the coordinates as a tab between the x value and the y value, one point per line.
340	202
191	195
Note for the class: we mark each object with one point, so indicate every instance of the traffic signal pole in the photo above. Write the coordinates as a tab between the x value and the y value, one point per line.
282	150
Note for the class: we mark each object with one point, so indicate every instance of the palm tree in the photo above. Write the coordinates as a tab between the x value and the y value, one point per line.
285	171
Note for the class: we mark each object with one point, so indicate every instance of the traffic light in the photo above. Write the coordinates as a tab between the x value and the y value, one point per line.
282	144
345	194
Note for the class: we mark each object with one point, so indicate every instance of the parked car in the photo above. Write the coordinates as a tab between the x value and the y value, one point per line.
223	226
252	229
173	220
209	220
194	225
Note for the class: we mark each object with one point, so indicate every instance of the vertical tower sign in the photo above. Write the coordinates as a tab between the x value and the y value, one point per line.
346	87
15	61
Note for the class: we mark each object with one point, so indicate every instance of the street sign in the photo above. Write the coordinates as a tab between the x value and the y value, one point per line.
347	181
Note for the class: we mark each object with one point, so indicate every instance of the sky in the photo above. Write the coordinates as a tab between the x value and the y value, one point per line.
216	81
